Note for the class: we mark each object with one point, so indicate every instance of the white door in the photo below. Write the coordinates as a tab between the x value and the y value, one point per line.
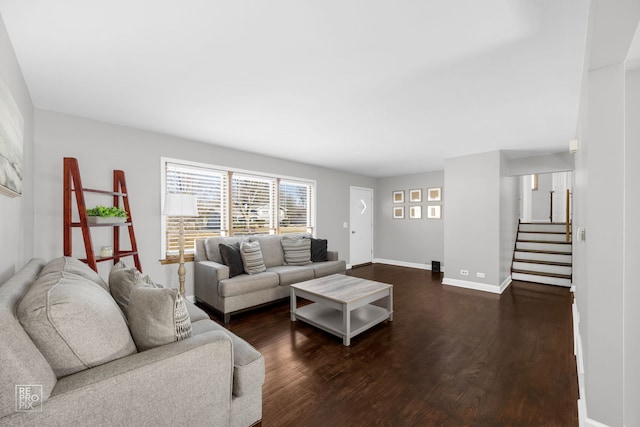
361	217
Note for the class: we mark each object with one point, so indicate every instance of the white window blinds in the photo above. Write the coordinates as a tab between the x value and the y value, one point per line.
253	204
295	207
235	202
210	188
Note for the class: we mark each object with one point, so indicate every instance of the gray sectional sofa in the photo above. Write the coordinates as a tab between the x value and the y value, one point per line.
67	358
215	288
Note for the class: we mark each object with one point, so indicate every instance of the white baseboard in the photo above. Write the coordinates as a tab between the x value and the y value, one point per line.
403	264
477	285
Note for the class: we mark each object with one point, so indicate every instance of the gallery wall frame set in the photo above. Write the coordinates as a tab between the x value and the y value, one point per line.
434	194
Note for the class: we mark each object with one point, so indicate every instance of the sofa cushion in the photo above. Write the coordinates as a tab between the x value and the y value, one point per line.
252	257
319	250
245	284
296	251
232	258
157	316
293	274
74	323
322	269
272	252
22	362
248	363
73	266
122	280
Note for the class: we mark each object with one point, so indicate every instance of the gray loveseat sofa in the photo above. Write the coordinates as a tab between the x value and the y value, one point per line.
215	288
211	378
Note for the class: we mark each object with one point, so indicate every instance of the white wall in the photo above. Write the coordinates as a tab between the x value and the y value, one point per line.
413	241
605	162
631	290
102	147
16	214
540	198
472	218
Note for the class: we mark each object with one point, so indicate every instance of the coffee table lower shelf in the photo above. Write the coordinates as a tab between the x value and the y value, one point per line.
331	320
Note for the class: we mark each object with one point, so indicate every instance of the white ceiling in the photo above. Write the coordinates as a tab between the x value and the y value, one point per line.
379	88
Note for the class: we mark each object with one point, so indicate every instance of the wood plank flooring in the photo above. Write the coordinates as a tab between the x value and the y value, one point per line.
451	357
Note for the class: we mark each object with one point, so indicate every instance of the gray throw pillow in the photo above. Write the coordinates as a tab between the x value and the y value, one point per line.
73	266
157	316
74	323
232	258
122	280
252	257
296	251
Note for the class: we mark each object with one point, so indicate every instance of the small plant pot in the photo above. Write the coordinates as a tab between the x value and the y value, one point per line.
106	220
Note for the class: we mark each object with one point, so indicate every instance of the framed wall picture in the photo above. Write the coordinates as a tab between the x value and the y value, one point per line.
398	212
434	212
398	196
415	196
415	212
11	143
434	194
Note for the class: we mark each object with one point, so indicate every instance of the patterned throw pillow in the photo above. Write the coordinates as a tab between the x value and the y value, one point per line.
252	257
157	316
296	251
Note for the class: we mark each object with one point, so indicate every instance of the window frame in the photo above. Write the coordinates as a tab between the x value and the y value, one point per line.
227	229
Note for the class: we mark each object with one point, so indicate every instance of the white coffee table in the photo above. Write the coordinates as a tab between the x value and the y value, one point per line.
341	304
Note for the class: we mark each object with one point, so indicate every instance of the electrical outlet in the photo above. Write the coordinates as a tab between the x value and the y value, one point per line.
464	272
481	275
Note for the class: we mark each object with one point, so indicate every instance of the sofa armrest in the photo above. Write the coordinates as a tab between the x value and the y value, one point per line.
207	275
181	383
332	255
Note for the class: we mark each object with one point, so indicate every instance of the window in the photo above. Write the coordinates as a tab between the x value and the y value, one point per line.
210	188
253	201
295	215
233	202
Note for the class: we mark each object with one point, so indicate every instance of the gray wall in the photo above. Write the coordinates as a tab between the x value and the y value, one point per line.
509	214
472	217
413	241
16	214
102	147
631	291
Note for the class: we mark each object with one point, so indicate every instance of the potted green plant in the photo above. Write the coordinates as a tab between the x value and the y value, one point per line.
106	215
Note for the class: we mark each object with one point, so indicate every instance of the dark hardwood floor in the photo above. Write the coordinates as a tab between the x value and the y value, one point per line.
451	357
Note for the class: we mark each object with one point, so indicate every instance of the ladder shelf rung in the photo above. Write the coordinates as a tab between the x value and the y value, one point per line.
106	192
112	224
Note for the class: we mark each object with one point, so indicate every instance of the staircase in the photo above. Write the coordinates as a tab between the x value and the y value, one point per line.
542	254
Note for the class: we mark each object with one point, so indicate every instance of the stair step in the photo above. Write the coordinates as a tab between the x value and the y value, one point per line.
542	226
553	242
544	223
541	279
544	232
537	261
537	251
541	273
